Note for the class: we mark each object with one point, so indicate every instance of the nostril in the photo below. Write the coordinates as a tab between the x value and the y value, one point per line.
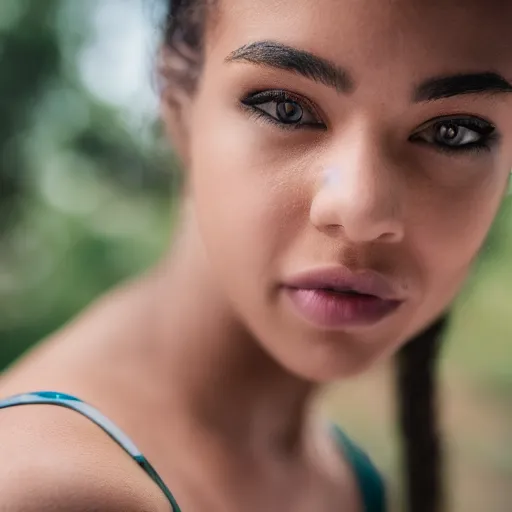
389	237
332	229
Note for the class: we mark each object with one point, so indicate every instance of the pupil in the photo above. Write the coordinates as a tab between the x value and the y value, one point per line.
289	111
448	131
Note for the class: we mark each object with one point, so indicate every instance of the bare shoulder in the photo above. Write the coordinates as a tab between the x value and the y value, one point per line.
54	460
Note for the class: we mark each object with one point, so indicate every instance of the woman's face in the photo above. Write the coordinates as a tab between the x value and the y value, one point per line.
348	144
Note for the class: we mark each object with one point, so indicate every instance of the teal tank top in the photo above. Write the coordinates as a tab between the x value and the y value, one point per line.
368	478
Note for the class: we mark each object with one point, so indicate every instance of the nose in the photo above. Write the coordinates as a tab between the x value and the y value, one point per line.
362	197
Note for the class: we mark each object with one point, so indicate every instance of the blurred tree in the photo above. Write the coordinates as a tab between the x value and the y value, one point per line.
33	62
30	57
83	197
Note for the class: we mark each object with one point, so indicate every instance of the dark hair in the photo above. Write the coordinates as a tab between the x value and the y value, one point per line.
416	362
185	28
417	413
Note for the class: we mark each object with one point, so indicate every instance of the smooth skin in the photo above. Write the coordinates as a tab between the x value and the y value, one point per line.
202	361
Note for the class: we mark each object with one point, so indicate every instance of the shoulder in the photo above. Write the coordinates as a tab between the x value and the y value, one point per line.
54	460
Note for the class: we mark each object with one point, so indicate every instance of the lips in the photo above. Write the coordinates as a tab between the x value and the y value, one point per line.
342	280
338	298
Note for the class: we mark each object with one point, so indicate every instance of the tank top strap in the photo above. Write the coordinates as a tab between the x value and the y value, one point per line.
115	433
368	478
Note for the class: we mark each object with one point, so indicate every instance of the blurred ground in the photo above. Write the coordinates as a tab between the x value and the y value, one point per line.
477	430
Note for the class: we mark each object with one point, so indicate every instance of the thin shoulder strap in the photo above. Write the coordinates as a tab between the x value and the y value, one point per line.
71	402
368	478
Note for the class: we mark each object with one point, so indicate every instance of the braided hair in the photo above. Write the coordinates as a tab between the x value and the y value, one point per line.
185	27
417	414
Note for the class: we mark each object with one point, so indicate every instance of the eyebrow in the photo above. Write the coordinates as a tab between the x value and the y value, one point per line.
281	56
455	85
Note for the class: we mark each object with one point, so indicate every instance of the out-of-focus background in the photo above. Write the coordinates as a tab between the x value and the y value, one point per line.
87	188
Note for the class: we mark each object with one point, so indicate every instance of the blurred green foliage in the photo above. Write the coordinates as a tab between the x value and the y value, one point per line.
30	57
84	196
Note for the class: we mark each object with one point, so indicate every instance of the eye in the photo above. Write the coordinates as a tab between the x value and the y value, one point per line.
287	111
457	134
283	109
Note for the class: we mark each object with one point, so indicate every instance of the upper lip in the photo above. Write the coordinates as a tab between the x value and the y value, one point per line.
342	279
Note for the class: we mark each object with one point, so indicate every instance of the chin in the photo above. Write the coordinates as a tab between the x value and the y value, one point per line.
324	365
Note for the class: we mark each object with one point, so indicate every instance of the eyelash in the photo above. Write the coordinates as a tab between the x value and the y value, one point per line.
486	131
254	99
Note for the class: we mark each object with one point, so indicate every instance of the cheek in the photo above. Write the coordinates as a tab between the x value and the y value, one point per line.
250	201
447	241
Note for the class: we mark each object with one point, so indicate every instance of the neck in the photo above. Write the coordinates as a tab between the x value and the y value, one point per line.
220	380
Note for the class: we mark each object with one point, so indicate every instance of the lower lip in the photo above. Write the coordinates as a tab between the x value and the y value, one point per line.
326	309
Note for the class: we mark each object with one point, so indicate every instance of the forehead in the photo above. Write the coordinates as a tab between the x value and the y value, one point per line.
422	37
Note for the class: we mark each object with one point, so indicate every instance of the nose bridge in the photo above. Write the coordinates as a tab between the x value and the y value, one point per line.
366	198
372	187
